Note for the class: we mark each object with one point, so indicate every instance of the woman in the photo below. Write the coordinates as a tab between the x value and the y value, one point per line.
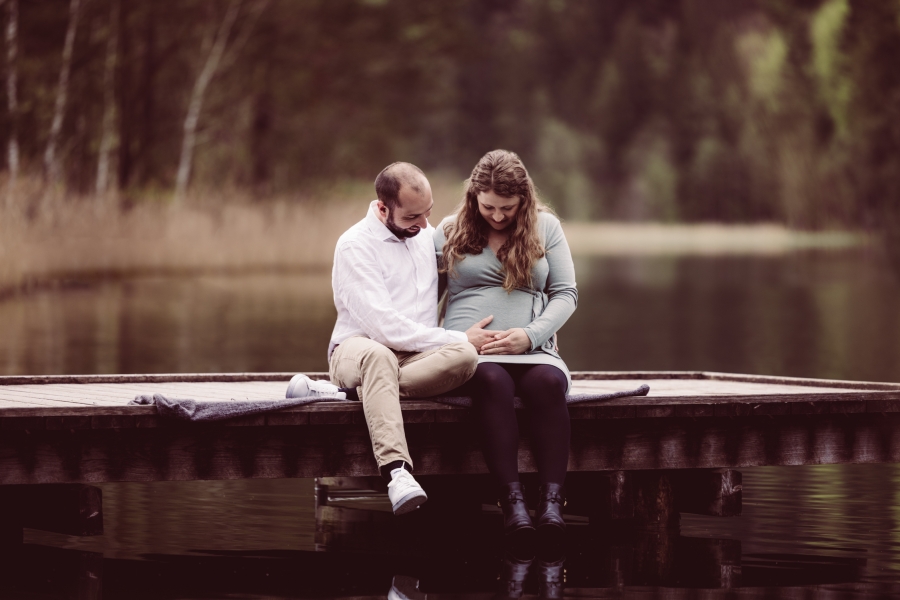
505	254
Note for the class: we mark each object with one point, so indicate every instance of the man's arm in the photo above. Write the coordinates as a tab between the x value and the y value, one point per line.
361	288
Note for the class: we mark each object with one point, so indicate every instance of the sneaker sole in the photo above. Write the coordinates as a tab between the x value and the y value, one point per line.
290	391
409	503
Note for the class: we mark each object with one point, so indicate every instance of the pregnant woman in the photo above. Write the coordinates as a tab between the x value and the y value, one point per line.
505	254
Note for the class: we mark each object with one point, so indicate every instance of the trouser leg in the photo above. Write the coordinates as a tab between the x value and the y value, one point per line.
383	376
374	369
434	372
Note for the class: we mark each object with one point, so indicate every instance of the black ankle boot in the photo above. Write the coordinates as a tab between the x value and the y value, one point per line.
515	512
548	515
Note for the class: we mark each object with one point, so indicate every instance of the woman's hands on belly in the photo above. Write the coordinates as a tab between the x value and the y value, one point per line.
511	341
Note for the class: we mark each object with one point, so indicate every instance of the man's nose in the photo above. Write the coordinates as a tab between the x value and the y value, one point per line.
422	222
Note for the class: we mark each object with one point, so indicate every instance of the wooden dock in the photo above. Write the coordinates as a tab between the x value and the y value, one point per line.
639	459
79	429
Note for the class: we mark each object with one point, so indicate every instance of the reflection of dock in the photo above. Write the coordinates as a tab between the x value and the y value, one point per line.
467	572
638	459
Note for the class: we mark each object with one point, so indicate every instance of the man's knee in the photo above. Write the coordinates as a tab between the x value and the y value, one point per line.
461	358
378	356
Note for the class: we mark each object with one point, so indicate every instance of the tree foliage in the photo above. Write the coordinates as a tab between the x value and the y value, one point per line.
630	109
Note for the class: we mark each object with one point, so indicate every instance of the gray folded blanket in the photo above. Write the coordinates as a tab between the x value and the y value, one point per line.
187	409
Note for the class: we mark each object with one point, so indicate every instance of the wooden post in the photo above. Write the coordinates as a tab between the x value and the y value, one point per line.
653	499
713	492
34	571
71	509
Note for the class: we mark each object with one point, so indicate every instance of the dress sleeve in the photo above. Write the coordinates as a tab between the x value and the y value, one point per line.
560	289
362	290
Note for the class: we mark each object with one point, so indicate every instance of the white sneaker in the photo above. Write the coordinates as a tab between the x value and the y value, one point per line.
404	492
302	386
405	588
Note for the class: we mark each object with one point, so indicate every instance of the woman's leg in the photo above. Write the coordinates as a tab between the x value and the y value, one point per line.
543	390
492	391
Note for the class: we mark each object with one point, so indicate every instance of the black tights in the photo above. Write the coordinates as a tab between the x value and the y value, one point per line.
542	389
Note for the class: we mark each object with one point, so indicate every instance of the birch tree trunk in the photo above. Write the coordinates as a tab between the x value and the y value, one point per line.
12	102
196	104
108	134
52	168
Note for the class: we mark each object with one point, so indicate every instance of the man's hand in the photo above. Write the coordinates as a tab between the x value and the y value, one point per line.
478	336
511	341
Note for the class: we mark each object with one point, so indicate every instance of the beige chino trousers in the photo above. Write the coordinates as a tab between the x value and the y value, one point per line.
383	376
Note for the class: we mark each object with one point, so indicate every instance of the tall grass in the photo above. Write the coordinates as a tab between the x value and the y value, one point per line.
48	235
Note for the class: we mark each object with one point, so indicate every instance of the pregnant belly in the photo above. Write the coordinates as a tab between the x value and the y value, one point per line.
471	305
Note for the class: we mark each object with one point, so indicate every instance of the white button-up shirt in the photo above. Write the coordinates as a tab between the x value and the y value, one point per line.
385	288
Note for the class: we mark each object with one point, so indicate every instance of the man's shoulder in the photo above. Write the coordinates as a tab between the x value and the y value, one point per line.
358	232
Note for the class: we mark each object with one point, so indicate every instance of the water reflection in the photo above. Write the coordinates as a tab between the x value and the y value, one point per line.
640	565
803	314
807	314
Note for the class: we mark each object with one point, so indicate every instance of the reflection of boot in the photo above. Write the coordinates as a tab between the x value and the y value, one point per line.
551	578
513	571
405	588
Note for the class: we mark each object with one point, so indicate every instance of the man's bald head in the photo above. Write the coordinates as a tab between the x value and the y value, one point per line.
399	175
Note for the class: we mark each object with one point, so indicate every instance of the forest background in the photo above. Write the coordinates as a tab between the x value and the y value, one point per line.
168	135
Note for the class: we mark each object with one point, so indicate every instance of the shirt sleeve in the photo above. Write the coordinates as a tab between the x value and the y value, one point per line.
561	290
360	287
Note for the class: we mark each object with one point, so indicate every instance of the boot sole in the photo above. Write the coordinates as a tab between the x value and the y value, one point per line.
409	503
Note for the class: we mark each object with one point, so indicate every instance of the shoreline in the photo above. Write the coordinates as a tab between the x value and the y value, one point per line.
267	250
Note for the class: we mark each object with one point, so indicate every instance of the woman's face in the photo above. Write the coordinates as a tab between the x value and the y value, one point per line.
498	211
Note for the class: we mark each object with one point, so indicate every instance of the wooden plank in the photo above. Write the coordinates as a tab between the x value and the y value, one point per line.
16	403
671	376
150	378
801	381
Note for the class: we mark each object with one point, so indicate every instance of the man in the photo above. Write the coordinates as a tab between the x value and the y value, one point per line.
386	344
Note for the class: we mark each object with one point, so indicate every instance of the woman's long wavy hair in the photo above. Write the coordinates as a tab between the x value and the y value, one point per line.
503	173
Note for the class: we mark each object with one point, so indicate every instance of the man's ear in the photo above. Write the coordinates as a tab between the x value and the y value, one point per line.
381	207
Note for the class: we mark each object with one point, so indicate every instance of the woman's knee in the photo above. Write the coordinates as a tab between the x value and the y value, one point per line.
492	383
544	384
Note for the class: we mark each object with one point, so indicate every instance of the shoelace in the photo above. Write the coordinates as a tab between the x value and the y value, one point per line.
403	480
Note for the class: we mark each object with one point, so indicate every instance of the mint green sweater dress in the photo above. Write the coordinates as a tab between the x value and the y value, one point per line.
476	291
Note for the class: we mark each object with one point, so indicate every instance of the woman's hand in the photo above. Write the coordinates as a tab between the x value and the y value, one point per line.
511	341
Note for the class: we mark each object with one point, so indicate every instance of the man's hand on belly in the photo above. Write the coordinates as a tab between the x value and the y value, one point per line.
478	335
511	341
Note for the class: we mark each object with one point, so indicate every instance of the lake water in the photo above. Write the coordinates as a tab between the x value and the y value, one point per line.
819	531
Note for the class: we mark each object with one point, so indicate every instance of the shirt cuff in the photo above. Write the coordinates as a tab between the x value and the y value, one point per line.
458	336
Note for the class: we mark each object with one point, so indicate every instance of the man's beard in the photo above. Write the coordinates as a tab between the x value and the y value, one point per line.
398	231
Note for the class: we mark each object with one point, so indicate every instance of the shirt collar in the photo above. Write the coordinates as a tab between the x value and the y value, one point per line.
376	227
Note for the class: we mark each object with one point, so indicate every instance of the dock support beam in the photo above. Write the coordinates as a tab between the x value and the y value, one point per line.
70	509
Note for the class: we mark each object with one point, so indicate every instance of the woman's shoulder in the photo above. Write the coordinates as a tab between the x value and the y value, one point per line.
439	234
548	223
545	216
